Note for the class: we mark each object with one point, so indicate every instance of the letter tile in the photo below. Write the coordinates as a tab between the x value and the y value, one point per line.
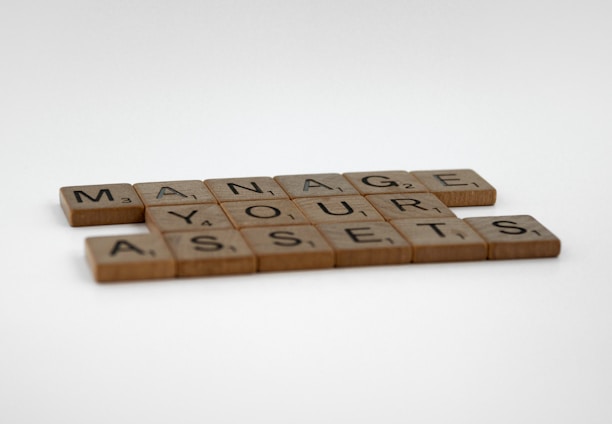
289	247
516	237
409	205
458	187
316	185
264	213
289	222
174	193
366	243
212	252
130	257
321	210
101	205
383	182
250	188
197	217
441	239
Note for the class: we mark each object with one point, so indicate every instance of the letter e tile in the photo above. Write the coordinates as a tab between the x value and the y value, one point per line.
458	187
516	236
366	243
131	257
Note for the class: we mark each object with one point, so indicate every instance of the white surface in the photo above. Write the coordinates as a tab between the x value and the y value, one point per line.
100	92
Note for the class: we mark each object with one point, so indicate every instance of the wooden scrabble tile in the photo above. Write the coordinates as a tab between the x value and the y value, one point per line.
441	239
263	213
101	204
289	247
211	252
315	185
174	193
130	257
414	205
366	243
516	236
382	182
252	188
321	210
164	219
458	187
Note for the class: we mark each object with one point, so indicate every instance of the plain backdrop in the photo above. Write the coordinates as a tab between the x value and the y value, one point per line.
95	92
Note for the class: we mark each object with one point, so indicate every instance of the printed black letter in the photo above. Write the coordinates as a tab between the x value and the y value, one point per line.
125	246
434	226
162	192
387	181
291	241
516	230
106	191
444	181
360	238
206	243
275	211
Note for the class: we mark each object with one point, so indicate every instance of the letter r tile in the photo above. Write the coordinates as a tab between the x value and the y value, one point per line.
409	205
101	204
458	187
515	237
131	257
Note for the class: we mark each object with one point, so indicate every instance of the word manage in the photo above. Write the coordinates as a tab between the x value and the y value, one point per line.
289	222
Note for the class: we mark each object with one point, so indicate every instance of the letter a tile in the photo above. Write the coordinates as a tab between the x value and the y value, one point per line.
458	187
515	237
101	205
174	193
131	257
316	185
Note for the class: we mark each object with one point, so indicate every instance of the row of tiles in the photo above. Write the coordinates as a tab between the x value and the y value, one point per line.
125	203
310	210
282	248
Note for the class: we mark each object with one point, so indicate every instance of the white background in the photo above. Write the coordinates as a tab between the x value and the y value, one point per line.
98	92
